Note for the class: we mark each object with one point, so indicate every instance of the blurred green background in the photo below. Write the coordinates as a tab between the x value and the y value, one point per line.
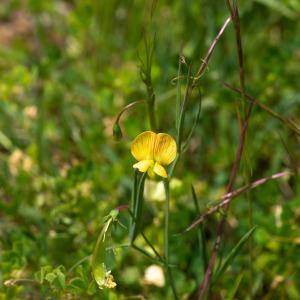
67	68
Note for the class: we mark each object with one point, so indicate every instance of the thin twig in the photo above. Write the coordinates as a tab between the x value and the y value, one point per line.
210	51
190	86
286	121
234	12
227	198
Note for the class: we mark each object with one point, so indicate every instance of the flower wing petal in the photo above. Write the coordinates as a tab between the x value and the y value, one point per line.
164	149
160	170
143	165
142	146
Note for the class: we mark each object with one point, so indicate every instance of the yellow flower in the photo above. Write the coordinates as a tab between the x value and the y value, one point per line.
153	151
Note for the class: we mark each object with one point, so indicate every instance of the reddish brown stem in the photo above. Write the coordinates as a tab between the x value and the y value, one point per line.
227	198
220	229
234	171
210	51
292	125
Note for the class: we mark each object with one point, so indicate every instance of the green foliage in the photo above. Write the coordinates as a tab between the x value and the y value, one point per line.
56	278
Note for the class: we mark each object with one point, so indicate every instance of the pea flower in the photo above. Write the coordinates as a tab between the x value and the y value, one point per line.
153	151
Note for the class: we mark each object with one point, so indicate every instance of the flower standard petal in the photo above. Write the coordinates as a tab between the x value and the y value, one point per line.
160	170
165	149
142	146
143	165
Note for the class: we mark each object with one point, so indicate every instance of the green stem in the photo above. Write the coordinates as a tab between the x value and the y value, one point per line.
172	167
178	96
146	253
147	241
78	263
151	107
166	241
127	107
200	233
146	67
152	247
182	111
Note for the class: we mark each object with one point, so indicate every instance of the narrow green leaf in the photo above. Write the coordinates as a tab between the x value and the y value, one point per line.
235	287
229	259
137	209
133	201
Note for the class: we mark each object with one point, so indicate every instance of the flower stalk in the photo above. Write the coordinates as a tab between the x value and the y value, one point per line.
168	270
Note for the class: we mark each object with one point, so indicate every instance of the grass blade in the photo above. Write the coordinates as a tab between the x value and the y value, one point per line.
233	253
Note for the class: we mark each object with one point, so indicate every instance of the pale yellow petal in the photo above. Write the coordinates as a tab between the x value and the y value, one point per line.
160	170
164	149
143	165
142	146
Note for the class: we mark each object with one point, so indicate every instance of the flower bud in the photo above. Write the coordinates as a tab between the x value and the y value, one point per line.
117	132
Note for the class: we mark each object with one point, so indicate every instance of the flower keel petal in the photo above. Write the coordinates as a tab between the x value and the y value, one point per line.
143	165
160	170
